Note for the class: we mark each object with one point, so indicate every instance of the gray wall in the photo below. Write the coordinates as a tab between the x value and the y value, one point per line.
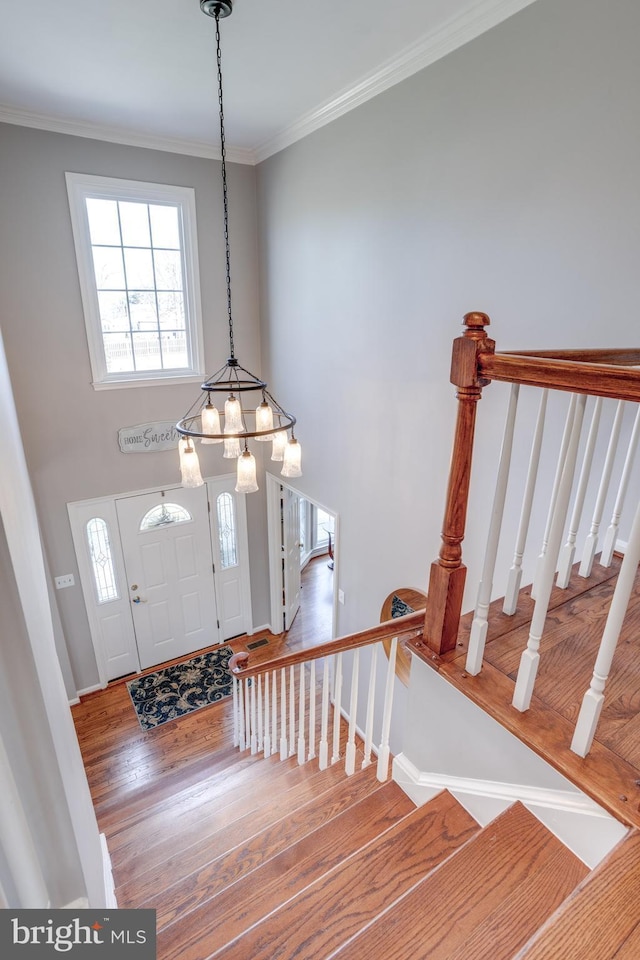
502	178
24	728
69	429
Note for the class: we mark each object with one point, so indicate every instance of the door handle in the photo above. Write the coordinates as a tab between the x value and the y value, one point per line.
138	600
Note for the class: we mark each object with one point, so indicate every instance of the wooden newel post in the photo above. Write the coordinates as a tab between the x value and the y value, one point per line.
448	573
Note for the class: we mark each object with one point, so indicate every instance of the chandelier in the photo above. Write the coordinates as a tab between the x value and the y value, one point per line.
234	405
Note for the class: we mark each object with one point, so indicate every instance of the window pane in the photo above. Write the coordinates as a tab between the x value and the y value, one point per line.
165	228
174	350
324	526
163	515
139	269
168	269
103	221
146	348
107	263
227	531
104	577
117	352
134	222
143	311
171	311
113	311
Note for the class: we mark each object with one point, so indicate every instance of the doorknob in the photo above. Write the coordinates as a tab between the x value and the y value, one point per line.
134	586
138	600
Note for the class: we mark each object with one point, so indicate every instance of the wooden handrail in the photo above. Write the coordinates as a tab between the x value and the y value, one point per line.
625	357
575	376
408	626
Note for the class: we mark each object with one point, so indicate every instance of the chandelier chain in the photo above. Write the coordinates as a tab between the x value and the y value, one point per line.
223	153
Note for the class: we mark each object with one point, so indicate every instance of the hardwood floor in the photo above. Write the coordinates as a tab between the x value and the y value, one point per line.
122	760
611	771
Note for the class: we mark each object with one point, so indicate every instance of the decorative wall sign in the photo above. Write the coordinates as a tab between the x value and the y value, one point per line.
149	437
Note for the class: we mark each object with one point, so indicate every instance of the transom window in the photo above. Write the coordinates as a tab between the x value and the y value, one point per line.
164	515
137	262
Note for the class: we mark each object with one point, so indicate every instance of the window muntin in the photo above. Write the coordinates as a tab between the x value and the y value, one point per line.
225	509
102	567
164	515
137	262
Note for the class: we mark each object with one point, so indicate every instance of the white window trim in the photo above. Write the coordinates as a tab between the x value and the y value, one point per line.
79	187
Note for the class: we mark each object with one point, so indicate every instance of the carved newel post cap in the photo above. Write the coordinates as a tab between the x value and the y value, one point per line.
476	320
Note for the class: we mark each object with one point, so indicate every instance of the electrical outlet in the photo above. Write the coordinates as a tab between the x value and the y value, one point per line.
66	581
340	596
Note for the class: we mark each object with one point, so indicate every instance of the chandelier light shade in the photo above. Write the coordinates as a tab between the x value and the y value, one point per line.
189	463
279	444
210	423
221	399
247	482
292	459
264	420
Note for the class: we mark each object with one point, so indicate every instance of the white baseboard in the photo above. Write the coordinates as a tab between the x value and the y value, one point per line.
110	891
265	626
83	693
404	771
576	820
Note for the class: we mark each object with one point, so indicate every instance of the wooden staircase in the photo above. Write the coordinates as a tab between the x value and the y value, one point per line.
261	859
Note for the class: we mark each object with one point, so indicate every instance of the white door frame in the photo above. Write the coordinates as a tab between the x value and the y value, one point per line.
77	512
273	485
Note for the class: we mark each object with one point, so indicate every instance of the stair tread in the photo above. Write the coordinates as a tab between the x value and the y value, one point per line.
237	908
601	919
449	912
215	862
340	902
286	786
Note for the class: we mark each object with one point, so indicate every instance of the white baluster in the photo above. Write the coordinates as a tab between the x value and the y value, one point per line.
236	718
531	655
323	759
383	753
284	746
568	551
312	711
247	714
242	732
478	634
337	703
554	495
611	535
260	714
266	744
292	711
591	543
254	726
515	574
274	712
368	733
302	747
350	756
594	697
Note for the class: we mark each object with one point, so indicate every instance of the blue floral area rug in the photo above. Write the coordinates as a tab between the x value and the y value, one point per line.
175	691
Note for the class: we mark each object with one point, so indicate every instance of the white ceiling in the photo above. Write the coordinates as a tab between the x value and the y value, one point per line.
143	71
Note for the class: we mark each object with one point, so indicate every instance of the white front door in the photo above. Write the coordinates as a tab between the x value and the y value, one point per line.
290	513
169	568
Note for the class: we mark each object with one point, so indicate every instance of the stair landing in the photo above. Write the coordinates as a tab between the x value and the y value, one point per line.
610	774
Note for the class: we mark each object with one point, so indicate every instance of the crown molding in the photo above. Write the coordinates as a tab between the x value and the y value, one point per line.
453	34
482	16
95	131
